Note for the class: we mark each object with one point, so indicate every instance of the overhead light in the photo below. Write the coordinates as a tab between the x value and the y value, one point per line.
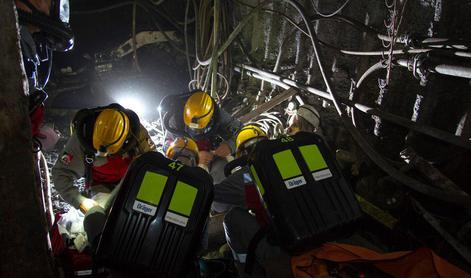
134	103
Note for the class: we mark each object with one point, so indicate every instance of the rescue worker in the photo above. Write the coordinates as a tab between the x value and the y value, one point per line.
237	189
185	150
246	238
228	193
103	143
196	115
240	225
305	118
44	28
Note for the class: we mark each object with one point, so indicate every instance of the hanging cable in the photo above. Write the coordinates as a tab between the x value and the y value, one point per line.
331	14
134	43
185	34
315	46
101	10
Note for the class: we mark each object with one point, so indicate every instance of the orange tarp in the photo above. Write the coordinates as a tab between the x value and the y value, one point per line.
422	262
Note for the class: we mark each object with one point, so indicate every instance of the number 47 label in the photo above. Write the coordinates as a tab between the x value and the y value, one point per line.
175	165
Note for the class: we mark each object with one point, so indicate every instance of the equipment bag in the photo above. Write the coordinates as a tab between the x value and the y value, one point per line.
302	188
156	222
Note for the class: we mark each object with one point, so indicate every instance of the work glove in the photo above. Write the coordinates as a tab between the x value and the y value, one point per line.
205	157
87	204
223	150
101	198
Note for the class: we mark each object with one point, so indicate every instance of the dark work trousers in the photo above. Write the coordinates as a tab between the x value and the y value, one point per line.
270	261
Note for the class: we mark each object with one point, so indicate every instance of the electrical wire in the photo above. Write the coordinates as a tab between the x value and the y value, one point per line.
158	2
382	53
227	85
345	19
134	48
366	147
285	16
315	46
331	14
185	34
101	10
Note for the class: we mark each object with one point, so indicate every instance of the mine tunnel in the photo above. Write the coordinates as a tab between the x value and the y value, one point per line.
235	138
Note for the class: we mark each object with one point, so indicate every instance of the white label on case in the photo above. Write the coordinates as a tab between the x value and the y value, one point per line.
176	219
295	182
144	208
322	174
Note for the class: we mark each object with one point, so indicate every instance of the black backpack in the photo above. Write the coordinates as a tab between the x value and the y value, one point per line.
303	191
156	223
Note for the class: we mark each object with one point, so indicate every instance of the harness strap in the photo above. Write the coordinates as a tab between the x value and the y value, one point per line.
250	259
88	162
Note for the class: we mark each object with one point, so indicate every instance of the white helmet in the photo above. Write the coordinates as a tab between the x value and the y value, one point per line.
310	114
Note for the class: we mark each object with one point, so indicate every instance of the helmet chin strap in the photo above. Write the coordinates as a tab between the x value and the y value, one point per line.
195	119
103	150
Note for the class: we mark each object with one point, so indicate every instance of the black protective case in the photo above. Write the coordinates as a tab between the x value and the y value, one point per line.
136	241
303	214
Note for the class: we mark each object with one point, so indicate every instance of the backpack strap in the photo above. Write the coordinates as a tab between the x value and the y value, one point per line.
230	166
83	128
250	261
88	160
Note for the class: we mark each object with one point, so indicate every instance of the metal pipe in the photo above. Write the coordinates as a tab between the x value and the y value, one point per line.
459	247
264	78
453	70
264	107
429	42
463	54
384	52
286	81
449	197
444	69
427	130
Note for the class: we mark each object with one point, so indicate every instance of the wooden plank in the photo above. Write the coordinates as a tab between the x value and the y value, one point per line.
268	105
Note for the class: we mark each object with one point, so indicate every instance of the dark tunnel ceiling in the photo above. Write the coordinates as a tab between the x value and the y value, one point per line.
161	72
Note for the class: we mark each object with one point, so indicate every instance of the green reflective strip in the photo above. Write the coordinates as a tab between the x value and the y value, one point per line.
183	198
152	187
287	164
257	180
380	215
313	157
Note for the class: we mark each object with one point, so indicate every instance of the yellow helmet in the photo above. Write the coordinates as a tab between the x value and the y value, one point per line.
247	136
110	131
198	113
183	147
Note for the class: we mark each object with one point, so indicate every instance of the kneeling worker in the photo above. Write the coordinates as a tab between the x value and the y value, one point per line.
237	189
197	115
185	150
103	143
232	191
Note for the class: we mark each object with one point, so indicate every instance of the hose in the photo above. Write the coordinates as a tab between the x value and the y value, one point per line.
185	34
331	14
379	65
382	53
315	45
